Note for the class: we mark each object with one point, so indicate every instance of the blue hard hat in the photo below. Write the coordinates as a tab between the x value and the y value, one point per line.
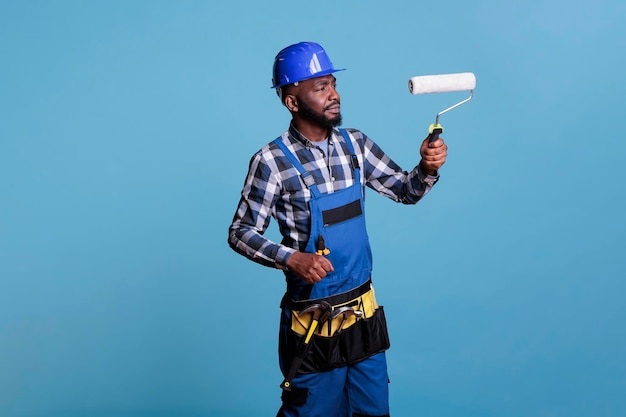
299	62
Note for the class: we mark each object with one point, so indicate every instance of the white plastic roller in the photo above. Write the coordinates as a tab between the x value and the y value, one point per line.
426	84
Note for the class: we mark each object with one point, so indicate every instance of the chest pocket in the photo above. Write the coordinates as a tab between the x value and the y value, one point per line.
341	214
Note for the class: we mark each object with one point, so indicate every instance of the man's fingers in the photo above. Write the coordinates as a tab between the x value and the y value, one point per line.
327	265
323	267
319	269
435	144
310	267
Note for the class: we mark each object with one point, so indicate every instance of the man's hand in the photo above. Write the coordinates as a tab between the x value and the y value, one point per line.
309	266
433	155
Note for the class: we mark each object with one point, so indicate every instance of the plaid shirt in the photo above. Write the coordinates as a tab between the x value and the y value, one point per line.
273	188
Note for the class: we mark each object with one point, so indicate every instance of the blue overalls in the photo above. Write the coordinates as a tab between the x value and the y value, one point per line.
343	375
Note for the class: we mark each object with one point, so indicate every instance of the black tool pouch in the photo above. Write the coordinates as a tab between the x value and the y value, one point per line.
363	339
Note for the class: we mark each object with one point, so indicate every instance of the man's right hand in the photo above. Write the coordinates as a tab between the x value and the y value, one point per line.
309	266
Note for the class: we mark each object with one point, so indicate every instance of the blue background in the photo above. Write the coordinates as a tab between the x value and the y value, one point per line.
126	130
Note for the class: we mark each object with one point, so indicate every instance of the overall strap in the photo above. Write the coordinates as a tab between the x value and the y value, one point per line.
306	176
353	158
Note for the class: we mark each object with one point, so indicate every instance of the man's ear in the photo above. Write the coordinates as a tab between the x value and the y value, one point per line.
291	102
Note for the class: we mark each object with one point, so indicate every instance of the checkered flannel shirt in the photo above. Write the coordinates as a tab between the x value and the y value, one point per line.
273	188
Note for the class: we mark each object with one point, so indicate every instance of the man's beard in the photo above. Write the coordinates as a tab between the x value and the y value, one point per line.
308	113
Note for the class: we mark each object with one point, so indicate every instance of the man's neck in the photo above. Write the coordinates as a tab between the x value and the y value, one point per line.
312	132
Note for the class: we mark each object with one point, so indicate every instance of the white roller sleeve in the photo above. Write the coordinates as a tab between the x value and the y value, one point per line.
426	84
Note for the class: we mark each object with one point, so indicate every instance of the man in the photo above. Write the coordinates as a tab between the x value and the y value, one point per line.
311	179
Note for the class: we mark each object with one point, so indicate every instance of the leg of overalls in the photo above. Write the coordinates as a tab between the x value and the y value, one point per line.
368	387
358	390
321	394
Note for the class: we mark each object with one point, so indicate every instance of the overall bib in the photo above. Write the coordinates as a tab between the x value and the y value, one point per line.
344	371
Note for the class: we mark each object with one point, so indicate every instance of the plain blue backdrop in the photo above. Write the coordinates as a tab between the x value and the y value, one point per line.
126	130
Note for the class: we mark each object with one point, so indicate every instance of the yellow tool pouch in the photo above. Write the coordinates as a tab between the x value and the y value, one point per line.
365	303
339	342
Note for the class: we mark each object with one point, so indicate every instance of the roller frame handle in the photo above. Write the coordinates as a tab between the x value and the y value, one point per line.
434	131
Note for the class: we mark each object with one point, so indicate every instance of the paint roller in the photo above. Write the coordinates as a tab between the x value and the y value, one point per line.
427	84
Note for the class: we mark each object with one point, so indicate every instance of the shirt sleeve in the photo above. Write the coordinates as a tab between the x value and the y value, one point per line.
258	199
387	178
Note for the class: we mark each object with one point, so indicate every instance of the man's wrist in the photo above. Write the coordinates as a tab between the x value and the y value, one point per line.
432	173
283	257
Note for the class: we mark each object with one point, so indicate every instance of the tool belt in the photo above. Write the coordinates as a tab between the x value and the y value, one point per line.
339	341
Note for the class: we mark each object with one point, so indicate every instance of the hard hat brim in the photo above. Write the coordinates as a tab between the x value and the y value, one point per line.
317	74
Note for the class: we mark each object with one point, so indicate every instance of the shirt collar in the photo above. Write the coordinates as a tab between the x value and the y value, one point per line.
299	137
